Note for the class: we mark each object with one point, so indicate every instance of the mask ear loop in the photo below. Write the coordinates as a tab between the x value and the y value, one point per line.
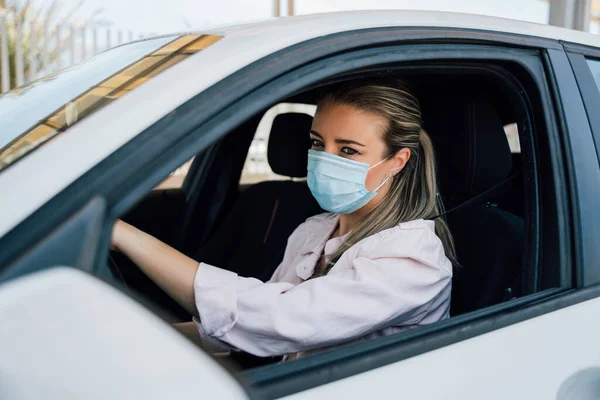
387	177
373	166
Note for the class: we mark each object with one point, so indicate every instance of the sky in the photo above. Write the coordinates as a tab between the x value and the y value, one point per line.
162	16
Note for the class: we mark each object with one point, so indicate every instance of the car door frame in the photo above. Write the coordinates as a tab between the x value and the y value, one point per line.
590	97
172	140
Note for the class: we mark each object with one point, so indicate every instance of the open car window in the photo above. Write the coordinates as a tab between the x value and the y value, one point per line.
476	151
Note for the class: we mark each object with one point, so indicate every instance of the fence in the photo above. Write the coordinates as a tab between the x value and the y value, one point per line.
31	50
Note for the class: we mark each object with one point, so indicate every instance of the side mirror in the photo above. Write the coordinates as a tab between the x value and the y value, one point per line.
66	335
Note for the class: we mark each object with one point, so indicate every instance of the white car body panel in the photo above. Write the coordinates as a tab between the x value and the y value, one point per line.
58	163
66	335
534	359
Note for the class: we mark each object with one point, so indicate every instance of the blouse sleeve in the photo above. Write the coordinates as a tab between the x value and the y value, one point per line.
391	284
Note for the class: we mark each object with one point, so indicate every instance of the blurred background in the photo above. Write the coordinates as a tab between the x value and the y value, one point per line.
40	37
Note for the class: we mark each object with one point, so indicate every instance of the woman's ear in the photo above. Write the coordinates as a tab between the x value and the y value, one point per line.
399	161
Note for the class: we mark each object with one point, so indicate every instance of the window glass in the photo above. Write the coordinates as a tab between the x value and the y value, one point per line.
595	68
35	113
23	107
257	169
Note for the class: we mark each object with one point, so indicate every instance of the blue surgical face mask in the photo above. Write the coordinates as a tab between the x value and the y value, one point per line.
338	184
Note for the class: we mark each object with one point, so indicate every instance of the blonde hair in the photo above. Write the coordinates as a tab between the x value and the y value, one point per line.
413	192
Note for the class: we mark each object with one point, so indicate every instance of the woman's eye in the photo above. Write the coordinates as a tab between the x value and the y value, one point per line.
316	143
349	151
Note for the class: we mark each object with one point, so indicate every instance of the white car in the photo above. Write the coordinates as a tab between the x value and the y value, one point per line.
512	109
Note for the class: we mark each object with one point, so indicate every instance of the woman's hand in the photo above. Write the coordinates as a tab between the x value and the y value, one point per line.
172	271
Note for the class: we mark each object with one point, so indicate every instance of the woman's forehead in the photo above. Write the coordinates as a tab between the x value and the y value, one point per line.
347	121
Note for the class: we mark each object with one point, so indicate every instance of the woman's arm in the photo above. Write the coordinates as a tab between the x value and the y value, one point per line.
398	279
172	271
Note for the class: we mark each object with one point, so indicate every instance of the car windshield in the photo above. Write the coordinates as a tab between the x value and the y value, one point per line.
32	114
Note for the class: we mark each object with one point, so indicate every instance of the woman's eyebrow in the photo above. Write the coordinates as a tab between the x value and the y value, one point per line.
340	141
345	141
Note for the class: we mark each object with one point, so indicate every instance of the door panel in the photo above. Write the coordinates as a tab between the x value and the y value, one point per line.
528	360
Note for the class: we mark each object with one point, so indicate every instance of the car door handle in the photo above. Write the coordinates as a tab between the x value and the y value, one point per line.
582	385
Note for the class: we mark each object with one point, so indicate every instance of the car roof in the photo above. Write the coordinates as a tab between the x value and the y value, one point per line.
300	28
316	25
97	136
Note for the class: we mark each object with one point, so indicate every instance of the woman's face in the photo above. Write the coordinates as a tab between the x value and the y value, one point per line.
355	134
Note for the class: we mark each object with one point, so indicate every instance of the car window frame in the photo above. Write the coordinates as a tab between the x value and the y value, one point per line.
281	380
153	163
587	95
588	87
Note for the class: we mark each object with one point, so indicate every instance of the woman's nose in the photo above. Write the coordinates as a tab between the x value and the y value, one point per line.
331	150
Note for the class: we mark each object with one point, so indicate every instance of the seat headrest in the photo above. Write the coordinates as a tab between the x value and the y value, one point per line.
289	143
471	147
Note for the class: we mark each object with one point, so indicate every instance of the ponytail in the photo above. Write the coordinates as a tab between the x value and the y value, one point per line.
437	206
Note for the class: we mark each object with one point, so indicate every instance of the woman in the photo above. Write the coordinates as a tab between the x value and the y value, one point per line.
372	266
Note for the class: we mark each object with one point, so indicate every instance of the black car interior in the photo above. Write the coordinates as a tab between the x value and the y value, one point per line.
265	214
245	228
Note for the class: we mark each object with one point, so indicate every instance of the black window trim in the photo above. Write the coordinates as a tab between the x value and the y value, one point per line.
576	48
590	91
108	178
584	173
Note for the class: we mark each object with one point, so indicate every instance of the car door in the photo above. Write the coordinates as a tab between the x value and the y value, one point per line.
551	352
520	361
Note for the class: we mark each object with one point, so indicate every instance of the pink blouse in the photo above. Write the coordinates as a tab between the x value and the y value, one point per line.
393	280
